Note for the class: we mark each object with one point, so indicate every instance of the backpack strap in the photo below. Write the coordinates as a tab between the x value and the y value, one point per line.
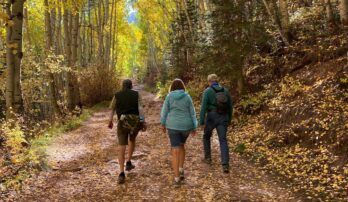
218	91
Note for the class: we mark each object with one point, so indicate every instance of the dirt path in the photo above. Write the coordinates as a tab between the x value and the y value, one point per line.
84	168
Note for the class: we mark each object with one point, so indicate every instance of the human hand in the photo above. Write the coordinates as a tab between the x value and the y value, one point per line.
111	125
193	133
164	129
144	127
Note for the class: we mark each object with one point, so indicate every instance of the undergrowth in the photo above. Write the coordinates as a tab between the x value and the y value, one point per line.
297	135
26	157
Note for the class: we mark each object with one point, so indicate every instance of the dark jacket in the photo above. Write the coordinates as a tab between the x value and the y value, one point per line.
209	102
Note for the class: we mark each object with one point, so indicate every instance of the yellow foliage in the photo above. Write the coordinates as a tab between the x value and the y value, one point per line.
14	141
291	86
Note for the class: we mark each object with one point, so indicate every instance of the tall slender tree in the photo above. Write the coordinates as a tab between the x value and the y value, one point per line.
14	101
284	16
49	40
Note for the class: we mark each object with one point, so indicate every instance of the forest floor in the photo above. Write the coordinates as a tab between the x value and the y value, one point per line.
83	167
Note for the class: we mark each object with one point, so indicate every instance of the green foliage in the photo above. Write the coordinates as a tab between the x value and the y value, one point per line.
163	90
344	80
253	103
14	141
16	155
195	89
184	41
240	148
291	87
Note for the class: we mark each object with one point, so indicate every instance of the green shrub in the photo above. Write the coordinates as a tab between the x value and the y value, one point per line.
291	87
240	148
163	89
252	104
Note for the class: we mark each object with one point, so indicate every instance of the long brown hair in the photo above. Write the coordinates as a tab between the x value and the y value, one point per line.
177	84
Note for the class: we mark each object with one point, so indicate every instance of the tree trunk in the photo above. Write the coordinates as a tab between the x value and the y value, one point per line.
100	27
184	5
48	29
329	12
74	48
58	30
344	13
49	36
74	34
67	47
53	25
111	35
14	101
82	41
26	26
90	56
67	37
284	17
114	40
273	18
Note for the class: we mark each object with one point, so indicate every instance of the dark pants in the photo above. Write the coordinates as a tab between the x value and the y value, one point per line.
219	122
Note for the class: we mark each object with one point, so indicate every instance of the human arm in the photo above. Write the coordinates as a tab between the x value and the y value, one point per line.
165	111
141	109
193	114
113	109
203	108
143	126
230	107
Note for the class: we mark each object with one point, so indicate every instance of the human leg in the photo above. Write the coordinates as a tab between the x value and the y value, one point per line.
207	143
175	161
176	147
208	131
121	156
182	153
224	148
131	148
122	142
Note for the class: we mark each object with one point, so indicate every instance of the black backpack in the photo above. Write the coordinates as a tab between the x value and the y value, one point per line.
221	101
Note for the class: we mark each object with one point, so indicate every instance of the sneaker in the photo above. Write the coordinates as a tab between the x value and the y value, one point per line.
129	166
207	161
225	168
177	183
121	178
182	175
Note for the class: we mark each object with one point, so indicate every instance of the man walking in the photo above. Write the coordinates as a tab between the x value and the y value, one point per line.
128	107
216	113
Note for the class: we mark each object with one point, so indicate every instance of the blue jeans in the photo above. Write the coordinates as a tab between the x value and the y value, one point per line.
219	122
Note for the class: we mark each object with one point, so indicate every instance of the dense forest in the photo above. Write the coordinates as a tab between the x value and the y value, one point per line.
284	61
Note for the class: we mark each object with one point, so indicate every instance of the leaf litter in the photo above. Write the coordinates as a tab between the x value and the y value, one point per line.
85	168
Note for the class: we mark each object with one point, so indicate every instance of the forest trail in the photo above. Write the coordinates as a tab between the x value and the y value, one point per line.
84	168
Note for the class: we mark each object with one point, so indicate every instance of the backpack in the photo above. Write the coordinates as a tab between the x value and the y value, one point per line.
221	101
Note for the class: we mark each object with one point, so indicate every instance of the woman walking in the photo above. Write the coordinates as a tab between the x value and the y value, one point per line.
178	116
